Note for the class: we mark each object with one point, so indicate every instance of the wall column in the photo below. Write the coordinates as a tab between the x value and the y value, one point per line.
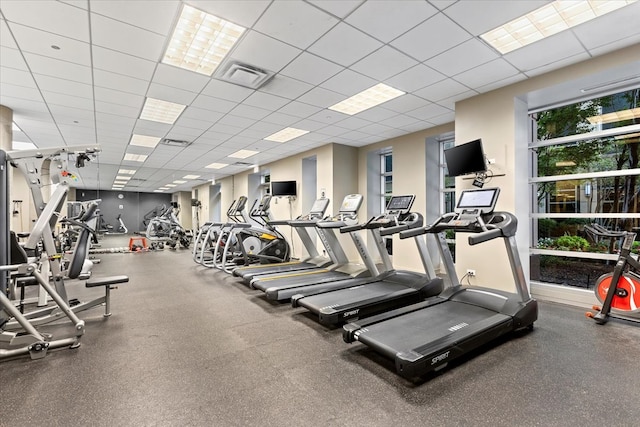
6	129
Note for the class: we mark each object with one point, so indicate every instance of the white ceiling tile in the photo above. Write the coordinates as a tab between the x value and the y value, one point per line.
310	125
398	121
445	118
311	68
54	84
442	4
201	114
629	41
328	116
171	94
118	97
375	129
17	77
450	102
213	104
68	115
182	79
426	40
405	103
386	20
126	38
197	127
481	16
462	57
599	32
224	129
121	63
263	51
117	109
6	38
384	63
83	4
280	119
491	72
321	97
237	121
353	123
415	78
340	8
332	131
574	59
500	83
14	91
116	122
120	82
228	91
249	112
243	13
157	16
51	16
334	46
348	83
40	42
56	68
146	127
545	51
299	109
441	90
266	101
428	111
295	23
12	58
376	114
68	100
286	87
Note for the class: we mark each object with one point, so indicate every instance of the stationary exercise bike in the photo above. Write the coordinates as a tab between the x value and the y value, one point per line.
621	301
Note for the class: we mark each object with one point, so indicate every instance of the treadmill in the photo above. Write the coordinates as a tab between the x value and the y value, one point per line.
392	289
426	336
283	287
302	225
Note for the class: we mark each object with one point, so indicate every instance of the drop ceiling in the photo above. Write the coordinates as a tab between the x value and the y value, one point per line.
79	71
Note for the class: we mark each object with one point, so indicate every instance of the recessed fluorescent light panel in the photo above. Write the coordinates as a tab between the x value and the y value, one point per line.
144	141
243	154
122	178
158	191
135	157
163	188
191	176
126	171
161	111
366	99
216	166
286	135
179	181
550	19
200	41
170	185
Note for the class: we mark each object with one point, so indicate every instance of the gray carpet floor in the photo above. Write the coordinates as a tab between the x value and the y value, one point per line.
189	346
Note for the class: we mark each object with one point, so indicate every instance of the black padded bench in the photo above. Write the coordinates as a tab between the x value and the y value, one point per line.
106	282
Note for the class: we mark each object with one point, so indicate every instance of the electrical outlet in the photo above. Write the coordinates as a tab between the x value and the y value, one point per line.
471	273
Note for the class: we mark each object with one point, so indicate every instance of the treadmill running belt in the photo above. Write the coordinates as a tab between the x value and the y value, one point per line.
410	333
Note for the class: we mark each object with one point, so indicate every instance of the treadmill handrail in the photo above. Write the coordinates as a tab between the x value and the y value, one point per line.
475	239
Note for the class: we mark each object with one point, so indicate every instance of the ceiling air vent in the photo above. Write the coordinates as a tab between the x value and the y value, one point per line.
242	164
244	75
175	142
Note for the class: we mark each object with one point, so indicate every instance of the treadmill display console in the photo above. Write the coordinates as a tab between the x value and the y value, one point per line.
319	206
483	200
401	204
351	203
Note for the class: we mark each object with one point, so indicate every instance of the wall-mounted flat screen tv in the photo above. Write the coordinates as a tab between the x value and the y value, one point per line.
283	188
466	158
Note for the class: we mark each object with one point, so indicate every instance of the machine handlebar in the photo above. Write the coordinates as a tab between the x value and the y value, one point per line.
475	239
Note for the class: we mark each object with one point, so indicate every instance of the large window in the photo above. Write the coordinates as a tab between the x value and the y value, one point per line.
585	172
